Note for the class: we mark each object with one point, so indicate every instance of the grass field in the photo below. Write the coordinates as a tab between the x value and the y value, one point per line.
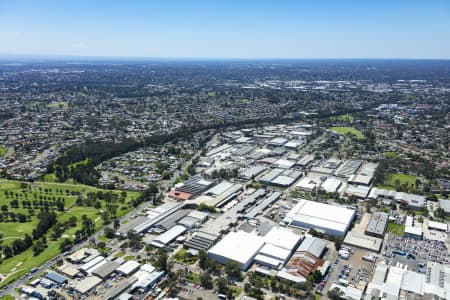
20	264
2	151
396	229
51	177
7	297
391	154
348	130
83	162
393	179
342	118
61	104
211	94
244	100
194	278
183	257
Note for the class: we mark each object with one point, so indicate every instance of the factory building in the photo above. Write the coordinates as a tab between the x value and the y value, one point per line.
332	220
377	224
240	247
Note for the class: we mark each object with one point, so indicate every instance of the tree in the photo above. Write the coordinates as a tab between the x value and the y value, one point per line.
38	247
317	276
134	239
440	213
253	292
335	294
206	280
233	270
106	218
161	261
202	259
432	197
116	224
87	226
222	285
73	221
109	233
65	245
7	251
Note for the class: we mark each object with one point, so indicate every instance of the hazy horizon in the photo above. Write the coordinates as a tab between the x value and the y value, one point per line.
227	29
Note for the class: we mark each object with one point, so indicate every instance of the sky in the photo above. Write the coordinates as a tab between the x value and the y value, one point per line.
249	29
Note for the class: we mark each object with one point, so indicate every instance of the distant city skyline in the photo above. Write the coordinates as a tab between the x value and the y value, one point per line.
227	29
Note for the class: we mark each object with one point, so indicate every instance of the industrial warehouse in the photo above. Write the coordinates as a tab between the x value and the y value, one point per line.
273	212
327	218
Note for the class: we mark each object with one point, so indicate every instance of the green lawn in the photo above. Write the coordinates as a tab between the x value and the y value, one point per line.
61	104
396	229
82	162
7	297
348	130
194	278
129	257
391	154
398	179
211	94
244	100
342	118
21	264
51	177
103	238
12	230
418	212
10	190
236	290
183	257
2	151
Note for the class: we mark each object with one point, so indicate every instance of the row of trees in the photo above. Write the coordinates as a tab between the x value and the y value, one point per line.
46	219
58	203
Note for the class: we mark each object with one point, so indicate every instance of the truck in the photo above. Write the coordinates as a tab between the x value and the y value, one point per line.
344	254
370	257
398	252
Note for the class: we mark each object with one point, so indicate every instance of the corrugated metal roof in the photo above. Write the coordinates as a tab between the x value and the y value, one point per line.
312	245
59	279
170	235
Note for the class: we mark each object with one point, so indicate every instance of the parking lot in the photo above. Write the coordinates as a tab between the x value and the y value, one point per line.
421	250
192	291
354	270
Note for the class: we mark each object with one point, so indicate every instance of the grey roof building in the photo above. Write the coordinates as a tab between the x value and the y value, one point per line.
313	245
377	224
105	270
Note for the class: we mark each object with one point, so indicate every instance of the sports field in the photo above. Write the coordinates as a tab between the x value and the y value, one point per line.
348	130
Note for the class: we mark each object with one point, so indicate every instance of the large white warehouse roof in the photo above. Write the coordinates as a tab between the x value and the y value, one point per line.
283	237
320	215
238	246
